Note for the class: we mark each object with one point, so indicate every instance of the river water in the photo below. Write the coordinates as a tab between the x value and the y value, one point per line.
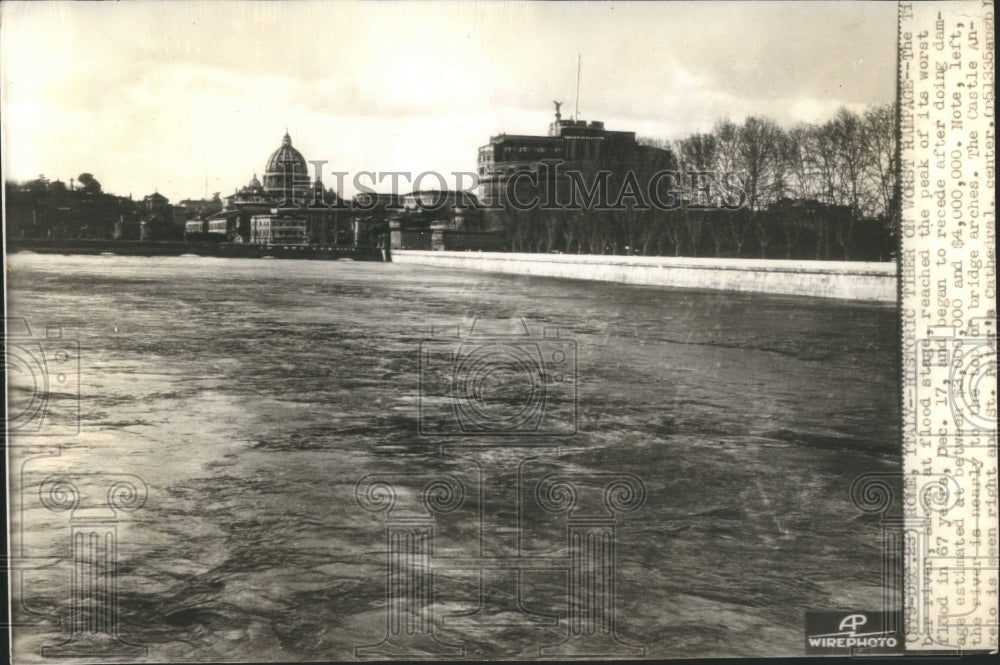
251	397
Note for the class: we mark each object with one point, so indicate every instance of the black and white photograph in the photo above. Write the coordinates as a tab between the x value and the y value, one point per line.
508	330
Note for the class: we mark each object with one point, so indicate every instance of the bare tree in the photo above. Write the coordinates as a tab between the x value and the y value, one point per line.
739	224
878	140
697	152
652	232
827	170
673	229
759	156
849	149
727	145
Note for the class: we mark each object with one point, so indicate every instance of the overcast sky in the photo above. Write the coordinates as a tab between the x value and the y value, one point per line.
158	95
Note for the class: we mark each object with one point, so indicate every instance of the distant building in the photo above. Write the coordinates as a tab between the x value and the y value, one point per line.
127	229
157	227
440	220
286	188
278	229
578	145
202	207
154	203
225	227
180	215
371	216
195	227
197	230
159	220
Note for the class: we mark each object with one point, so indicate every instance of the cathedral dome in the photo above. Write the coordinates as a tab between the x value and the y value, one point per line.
286	157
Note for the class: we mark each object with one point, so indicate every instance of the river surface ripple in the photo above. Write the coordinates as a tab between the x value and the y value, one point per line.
251	396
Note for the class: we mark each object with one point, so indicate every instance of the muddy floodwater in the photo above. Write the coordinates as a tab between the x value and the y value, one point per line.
251	397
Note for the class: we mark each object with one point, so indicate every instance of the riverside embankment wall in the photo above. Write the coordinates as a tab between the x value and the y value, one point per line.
821	279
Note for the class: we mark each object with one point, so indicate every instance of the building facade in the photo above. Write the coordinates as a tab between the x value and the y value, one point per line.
278	229
571	145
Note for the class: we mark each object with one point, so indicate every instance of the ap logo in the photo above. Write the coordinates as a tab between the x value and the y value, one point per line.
857	633
851	623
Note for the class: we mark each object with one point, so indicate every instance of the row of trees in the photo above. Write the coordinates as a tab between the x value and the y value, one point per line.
848	161
814	191
787	229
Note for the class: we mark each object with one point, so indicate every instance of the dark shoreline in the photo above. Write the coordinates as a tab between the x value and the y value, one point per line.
178	248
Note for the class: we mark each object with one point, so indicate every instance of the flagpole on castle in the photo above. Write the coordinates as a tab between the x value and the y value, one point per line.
576	115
